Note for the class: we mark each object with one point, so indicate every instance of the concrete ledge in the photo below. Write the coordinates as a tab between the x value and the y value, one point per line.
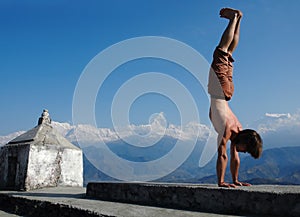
72	202
253	200
32	204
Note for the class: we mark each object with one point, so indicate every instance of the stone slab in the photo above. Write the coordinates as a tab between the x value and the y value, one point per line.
72	202
5	214
253	200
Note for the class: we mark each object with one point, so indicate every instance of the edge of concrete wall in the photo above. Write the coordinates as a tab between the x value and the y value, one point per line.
254	200
37	208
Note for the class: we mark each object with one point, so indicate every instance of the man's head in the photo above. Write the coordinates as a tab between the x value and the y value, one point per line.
249	141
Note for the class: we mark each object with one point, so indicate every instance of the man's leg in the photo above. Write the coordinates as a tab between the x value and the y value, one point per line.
236	36
230	37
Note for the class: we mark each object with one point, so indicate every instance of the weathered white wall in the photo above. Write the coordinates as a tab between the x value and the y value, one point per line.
43	167
71	168
50	165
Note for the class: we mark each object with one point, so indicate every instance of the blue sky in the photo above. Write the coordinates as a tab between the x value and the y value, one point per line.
45	46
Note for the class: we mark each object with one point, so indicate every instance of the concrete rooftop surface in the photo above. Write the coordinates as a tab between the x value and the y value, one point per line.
73	201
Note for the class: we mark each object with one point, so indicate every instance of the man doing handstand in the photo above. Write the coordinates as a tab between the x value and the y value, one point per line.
220	88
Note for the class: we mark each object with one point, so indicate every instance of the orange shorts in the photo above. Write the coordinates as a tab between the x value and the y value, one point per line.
220	83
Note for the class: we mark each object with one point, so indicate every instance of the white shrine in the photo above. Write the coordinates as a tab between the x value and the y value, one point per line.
39	158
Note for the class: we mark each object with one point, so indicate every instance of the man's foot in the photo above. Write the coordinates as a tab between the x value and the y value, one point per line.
226	185
230	13
237	183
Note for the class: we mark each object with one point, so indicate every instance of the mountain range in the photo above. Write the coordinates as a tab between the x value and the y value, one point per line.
279	164
276	166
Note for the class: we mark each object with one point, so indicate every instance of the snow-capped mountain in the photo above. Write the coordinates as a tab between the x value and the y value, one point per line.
137	146
11	136
87	134
285	126
135	152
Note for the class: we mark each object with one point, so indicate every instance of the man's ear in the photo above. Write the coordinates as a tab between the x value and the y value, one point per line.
241	147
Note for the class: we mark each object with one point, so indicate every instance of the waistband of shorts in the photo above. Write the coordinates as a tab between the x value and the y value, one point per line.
217	97
230	58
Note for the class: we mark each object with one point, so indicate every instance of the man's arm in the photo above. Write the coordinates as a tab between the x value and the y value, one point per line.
223	159
235	165
235	126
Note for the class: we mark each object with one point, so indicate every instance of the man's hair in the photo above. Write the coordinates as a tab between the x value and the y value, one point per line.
252	140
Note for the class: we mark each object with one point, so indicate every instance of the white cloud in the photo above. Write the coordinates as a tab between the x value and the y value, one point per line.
280	130
274	122
274	115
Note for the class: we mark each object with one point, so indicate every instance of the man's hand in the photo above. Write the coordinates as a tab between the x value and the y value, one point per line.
237	183
227	185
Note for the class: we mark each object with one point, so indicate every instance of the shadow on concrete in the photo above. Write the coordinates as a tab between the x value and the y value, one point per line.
56	195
